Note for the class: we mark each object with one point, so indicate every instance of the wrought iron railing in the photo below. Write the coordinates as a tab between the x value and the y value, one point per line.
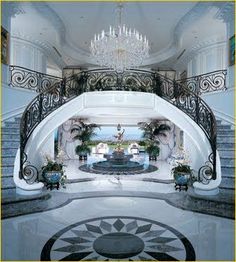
131	80
26	78
205	83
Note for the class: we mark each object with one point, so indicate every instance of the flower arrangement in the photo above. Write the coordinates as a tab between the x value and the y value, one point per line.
52	165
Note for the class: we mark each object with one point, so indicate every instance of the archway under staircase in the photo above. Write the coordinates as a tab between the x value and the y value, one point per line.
134	105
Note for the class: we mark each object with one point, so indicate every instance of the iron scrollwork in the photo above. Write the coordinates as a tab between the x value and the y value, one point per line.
205	173
210	82
131	80
29	79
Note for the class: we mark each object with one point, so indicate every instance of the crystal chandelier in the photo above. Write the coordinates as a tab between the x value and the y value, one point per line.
120	48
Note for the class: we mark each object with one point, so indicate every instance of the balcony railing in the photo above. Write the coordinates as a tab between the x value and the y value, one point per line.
205	83
26	78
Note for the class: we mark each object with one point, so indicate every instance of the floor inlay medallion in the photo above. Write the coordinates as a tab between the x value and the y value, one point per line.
110	238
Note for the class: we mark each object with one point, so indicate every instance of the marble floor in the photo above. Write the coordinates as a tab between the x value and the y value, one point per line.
111	217
163	173
112	228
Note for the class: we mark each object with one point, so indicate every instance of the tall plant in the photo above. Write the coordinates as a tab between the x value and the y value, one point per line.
151	131
84	133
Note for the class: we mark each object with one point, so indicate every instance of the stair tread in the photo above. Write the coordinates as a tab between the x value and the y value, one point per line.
11	197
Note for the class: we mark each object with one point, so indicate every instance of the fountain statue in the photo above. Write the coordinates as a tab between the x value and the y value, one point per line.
118	162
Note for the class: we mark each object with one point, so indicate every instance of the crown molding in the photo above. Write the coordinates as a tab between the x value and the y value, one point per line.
225	12
12	9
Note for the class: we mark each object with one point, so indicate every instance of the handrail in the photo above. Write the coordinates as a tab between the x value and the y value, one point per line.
205	83
131	80
29	79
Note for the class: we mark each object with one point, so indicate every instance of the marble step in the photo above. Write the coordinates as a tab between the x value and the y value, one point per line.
10	136
225	145
9	151
17	119
10	143
6	170
227	183
9	130
7	182
223	127
226	153
225	139
9	196
225	132
12	124
8	161
7	175
227	161
227	171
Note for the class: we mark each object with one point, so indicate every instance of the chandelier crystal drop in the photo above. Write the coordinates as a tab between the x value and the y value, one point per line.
120	48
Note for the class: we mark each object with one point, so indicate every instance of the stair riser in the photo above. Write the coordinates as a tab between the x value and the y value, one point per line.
10	144
226	139
227	162
227	133
12	125
227	171
7	170
7	183
8	161
10	136
9	152
225	145
6	130
227	153
227	182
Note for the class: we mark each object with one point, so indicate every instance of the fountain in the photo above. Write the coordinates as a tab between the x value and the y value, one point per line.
118	161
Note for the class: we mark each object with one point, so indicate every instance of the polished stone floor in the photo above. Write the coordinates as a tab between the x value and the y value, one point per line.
112	217
162	173
111	228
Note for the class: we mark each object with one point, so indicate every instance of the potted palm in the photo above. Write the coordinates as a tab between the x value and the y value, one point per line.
53	173
151	132
84	133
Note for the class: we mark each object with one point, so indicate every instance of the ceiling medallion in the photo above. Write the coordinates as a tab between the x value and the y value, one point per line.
120	48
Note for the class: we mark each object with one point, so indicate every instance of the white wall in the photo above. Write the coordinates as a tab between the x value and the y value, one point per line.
222	103
15	100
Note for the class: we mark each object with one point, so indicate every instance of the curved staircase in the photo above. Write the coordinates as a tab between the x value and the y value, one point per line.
192	110
225	144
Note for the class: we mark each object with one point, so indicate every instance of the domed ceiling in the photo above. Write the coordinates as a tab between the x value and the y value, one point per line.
68	27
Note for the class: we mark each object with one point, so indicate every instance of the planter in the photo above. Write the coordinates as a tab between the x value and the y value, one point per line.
181	181
52	178
83	156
